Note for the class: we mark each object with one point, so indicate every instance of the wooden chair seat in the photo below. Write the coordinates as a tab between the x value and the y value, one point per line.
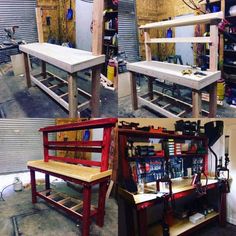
87	174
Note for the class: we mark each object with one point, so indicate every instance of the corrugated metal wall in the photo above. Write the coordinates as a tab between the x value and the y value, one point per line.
20	141
128	38
22	14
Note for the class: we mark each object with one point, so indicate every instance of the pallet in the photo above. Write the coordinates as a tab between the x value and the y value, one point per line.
54	86
169	102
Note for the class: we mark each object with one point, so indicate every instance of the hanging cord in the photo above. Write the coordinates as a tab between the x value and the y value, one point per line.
193	6
1	193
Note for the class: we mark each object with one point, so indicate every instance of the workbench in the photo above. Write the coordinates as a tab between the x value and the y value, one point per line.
141	202
134	166
69	60
86	173
173	73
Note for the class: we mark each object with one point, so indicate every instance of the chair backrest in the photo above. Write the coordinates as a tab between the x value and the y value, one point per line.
101	146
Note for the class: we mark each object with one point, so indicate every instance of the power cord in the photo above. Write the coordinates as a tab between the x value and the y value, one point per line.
1	193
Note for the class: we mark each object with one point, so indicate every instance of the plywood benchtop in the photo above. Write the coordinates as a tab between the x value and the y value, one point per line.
87	174
68	59
173	73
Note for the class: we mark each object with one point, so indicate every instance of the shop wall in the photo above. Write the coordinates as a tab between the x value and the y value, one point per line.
152	11
60	29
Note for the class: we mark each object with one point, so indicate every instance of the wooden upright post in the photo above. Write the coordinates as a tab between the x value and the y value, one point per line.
214	56
39	24
73	96
148	50
97	43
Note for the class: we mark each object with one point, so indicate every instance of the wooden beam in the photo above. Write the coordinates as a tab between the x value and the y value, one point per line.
98	27
39	22
207	18
27	70
44	69
213	100
148	49
180	40
214	48
197	104
95	99
73	96
134	96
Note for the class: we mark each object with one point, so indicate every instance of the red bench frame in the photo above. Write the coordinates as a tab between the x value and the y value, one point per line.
102	147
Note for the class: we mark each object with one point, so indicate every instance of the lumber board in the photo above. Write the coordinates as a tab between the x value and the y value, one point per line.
180	40
178	186
201	19
172	73
68	59
156	108
39	21
87	174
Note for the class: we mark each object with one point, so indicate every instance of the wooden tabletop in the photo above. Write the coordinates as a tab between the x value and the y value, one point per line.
178	186
173	73
87	174
68	59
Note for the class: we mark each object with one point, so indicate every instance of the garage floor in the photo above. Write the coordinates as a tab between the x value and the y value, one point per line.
125	107
18	216
16	101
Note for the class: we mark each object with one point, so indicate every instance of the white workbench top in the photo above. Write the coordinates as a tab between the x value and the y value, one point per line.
68	59
173	73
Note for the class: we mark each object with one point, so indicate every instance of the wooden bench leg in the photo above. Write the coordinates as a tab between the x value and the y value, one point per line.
213	100
73	96
101	204
197	104
86	210
150	88
47	183
27	70
95	100
142	222
134	96
44	70
33	186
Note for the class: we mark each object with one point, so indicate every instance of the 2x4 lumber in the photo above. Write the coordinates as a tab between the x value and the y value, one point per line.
77	207
213	100
76	161
148	50
214	48
63	201
97	40
73	96
156	108
180	40
27	70
39	21
95	99
134	96
76	143
100	123
201	19
197	104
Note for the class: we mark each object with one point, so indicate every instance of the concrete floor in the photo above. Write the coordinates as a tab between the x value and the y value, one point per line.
17	101
125	107
18	216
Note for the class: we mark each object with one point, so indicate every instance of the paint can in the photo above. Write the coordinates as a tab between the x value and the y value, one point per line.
111	69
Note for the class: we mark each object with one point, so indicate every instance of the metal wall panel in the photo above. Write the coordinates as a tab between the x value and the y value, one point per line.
128	38
20	142
22	14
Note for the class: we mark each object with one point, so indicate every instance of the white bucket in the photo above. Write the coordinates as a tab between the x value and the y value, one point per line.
232	11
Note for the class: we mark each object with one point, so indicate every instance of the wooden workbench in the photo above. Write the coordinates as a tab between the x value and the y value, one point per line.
172	73
67	59
180	188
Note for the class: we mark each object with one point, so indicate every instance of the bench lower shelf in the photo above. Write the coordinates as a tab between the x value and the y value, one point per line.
184	227
64	202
